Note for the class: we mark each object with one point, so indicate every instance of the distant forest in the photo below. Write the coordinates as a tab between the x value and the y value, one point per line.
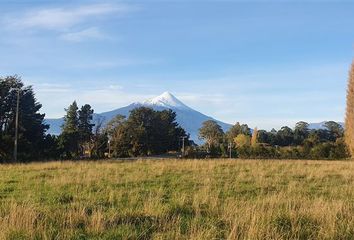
146	132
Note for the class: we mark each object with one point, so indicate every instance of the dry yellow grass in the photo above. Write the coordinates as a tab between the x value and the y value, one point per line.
178	199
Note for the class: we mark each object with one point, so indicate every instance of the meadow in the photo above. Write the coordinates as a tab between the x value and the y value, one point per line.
178	199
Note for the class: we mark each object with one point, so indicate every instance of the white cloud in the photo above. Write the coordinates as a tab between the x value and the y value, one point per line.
115	87
64	18
49	88
89	33
113	63
71	23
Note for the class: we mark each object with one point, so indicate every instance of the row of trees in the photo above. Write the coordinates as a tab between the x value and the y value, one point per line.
300	142
78	136
81	137
147	132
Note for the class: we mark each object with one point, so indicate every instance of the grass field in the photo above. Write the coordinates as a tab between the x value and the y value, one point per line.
178	199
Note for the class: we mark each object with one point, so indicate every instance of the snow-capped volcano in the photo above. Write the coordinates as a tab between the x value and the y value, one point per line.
188	118
166	100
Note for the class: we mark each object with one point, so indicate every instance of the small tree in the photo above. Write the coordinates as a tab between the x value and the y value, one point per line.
335	130
211	132
301	132
254	139
99	139
236	130
285	136
113	125
243	143
242	140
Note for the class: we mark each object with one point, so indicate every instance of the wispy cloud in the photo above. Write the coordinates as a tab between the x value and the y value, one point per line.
101	99
64	18
115	87
74	23
49	88
111	63
86	34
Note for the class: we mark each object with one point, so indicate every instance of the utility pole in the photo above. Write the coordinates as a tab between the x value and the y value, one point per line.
109	148
184	137
16	123
230	149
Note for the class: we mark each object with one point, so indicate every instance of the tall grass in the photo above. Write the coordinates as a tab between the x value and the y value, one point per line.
178	199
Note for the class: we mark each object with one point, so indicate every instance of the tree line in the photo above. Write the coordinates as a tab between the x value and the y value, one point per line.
146	132
298	143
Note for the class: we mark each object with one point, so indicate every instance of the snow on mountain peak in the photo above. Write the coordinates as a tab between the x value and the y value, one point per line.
167	100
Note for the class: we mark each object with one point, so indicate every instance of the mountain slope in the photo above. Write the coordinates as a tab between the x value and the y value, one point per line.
321	125
189	119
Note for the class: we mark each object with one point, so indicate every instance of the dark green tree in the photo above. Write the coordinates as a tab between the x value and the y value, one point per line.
70	137
31	123
99	140
285	136
339	150
85	125
335	130
146	132
236	130
266	137
301	132
50	147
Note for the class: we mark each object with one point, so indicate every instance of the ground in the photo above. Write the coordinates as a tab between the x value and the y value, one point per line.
178	199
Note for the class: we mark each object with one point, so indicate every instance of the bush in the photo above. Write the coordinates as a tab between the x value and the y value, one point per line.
321	151
194	152
244	152
261	151
339	150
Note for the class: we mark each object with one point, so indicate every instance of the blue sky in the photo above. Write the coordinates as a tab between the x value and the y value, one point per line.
265	63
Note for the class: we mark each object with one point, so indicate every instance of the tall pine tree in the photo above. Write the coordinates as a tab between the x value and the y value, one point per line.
85	116
31	123
69	138
85	127
349	120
